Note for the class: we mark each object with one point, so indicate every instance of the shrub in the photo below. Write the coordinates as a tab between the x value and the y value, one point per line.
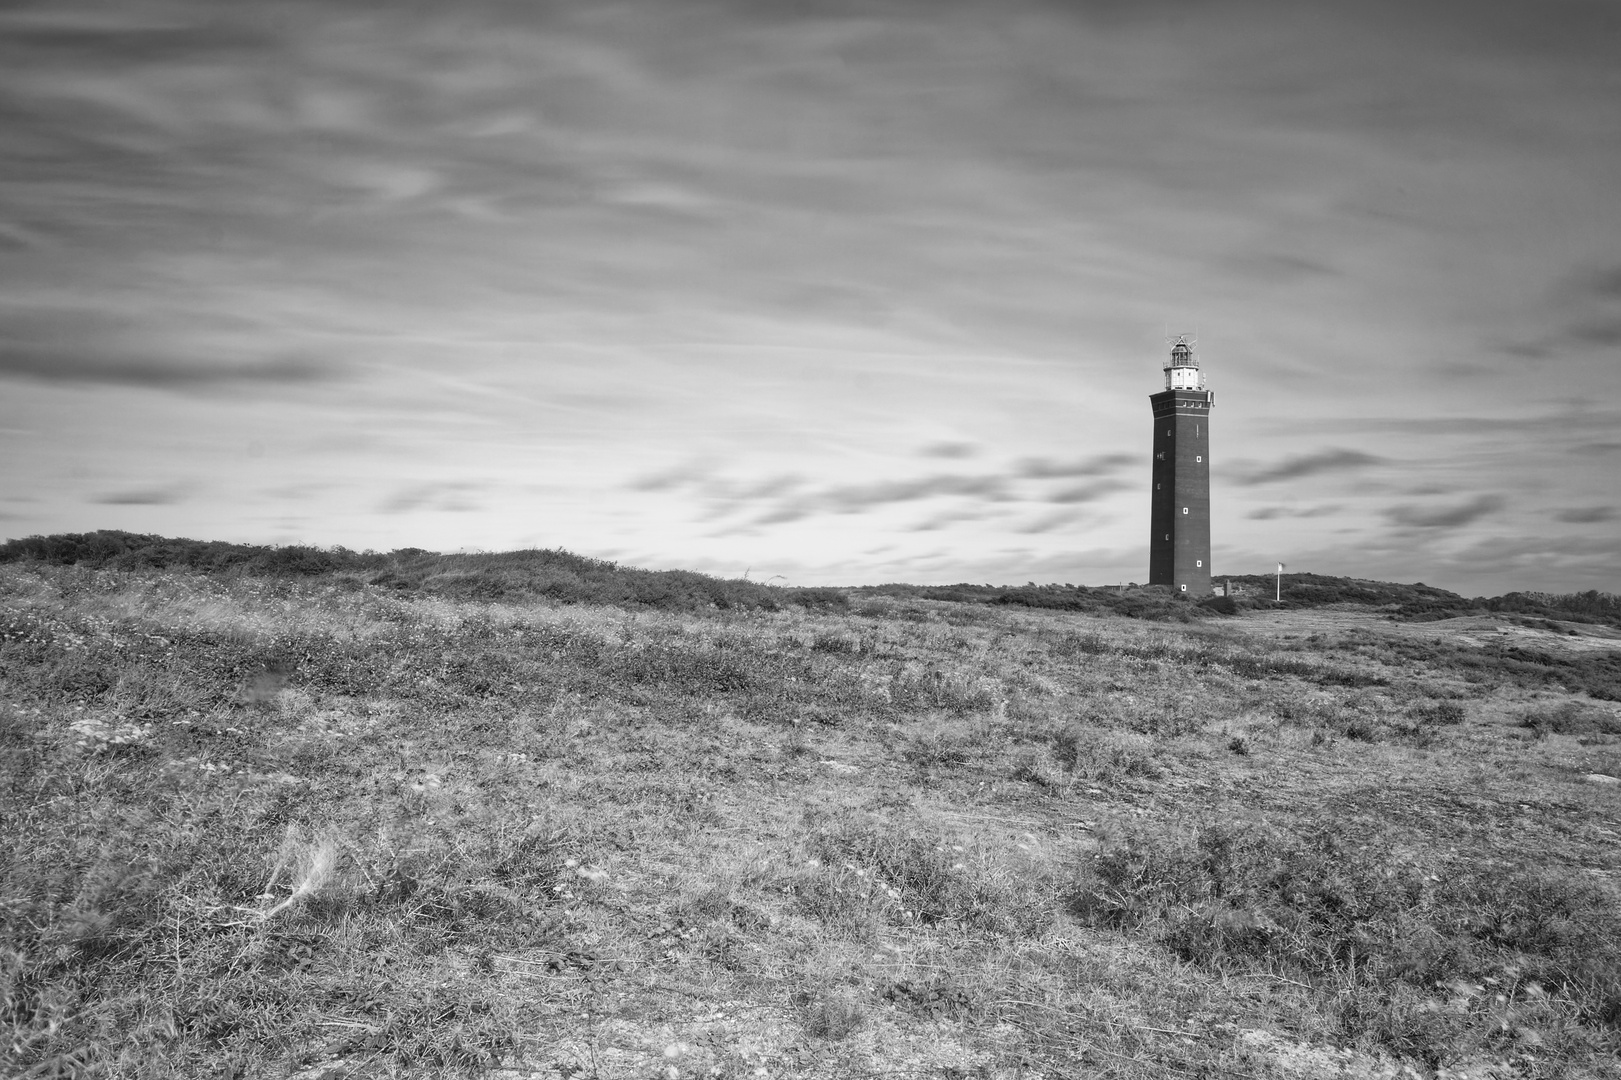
1349	911
820	599
831	1013
1437	712
908	878
1102	756
938	748
555	574
1571	718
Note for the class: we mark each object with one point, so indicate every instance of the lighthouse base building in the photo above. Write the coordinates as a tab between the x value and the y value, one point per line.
1179	547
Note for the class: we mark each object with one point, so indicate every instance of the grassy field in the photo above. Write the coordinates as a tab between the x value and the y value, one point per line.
323	826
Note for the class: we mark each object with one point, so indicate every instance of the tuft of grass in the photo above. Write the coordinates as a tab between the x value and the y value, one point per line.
1103	756
1440	713
1571	718
833	1014
1381	930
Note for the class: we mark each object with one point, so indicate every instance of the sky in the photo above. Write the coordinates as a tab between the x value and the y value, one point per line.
820	292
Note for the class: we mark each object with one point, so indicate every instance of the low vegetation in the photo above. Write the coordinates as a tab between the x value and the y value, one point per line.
270	821
569	578
551	574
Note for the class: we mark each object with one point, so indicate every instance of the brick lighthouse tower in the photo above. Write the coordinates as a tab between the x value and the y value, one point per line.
1179	549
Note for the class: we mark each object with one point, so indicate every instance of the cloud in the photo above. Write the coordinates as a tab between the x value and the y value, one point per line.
1597	303
440	496
1566	422
854	498
1444	517
723	497
781	500
949	450
1268	513
160	373
950	517
785	498
1586	305
53	342
1586	515
1088	492
1042	468
1329	460
1516	562
1278	266
143	497
670	479
1056	520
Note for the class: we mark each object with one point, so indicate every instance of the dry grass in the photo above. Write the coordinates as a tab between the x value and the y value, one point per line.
265	829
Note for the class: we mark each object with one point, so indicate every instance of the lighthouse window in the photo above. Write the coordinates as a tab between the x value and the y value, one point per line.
1184	509
1184	588
1198	457
1167	536
1198	562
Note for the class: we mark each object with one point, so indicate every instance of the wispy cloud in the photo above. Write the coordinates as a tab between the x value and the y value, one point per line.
158	372
1269	513
1444	517
1597	298
439	496
158	496
670	479
1085	493
1586	515
1585	310
965	496
1059	519
947	519
951	451
1044	468
855	498
1331	460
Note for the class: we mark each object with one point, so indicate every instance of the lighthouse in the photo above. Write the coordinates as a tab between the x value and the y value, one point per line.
1179	547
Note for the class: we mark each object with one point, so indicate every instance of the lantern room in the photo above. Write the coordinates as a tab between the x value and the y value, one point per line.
1182	369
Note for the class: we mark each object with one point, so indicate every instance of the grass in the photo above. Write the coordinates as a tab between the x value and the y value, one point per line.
312	825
